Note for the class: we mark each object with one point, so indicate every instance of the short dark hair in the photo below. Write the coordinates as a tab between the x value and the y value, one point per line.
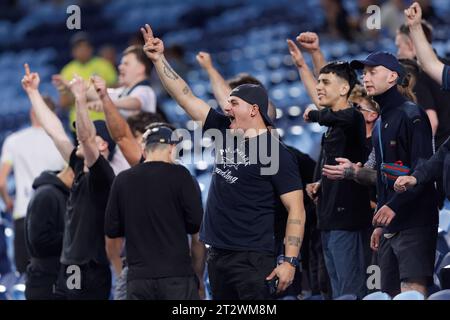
243	78
427	29
142	120
343	70
138	51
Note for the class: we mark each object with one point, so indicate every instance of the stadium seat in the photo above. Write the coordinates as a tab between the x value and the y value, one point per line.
440	295
347	297
409	295
378	296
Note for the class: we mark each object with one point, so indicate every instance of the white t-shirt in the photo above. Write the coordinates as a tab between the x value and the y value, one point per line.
30	151
143	93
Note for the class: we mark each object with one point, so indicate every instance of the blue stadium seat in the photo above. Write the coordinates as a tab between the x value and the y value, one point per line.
409	295
378	296
347	297
440	295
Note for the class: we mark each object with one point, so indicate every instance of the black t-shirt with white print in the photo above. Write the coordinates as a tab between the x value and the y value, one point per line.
241	203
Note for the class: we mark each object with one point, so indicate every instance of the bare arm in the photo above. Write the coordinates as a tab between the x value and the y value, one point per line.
295	227
345	169
174	84
424	52
117	125
198	254
310	42
5	170
113	249
84	125
305	73
220	87
49	120
432	115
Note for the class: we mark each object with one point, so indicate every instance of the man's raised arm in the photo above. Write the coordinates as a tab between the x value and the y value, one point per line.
174	84
47	118
117	126
85	128
424	52
305	73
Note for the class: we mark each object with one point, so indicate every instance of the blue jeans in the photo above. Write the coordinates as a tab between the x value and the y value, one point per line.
447	204
345	261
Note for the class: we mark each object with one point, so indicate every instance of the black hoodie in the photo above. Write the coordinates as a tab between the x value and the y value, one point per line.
44	223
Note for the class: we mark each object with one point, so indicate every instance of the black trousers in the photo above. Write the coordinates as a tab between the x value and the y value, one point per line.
239	275
93	282
21	256
170	288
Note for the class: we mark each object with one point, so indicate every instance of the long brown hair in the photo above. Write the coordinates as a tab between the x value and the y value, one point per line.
408	80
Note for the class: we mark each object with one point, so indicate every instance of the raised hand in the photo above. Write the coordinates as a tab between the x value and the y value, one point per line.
404	183
30	81
204	60
99	85
296	54
59	82
78	88
154	47
413	15
309	41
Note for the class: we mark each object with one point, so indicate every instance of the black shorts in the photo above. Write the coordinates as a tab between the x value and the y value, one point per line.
409	254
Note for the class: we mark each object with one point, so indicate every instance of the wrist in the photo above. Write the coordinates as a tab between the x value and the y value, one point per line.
292	261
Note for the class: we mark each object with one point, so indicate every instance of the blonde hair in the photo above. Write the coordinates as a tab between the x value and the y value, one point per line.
359	92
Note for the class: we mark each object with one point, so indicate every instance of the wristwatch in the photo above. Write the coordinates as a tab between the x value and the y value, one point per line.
293	261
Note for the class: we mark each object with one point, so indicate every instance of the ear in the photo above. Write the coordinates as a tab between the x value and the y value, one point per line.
392	78
254	109
373	116
343	91
103	146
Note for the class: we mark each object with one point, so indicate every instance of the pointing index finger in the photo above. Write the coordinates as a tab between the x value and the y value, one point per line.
27	69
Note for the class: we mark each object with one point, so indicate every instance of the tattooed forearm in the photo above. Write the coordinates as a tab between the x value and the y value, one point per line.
366	176
349	173
186	90
294	221
293	241
168	71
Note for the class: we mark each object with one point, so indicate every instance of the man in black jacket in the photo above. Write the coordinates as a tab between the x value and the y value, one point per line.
402	136
44	229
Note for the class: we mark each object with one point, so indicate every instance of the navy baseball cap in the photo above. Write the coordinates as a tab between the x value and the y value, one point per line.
160	133
254	94
379	58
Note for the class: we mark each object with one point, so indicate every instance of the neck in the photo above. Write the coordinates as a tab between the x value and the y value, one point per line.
66	177
369	127
136	81
157	156
255	131
389	99
341	104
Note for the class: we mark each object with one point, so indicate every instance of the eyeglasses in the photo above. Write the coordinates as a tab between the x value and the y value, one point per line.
361	108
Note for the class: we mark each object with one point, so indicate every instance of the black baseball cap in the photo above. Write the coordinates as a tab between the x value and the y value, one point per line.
379	58
254	94
160	133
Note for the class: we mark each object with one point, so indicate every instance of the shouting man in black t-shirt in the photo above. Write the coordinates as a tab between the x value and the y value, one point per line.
239	218
85	272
